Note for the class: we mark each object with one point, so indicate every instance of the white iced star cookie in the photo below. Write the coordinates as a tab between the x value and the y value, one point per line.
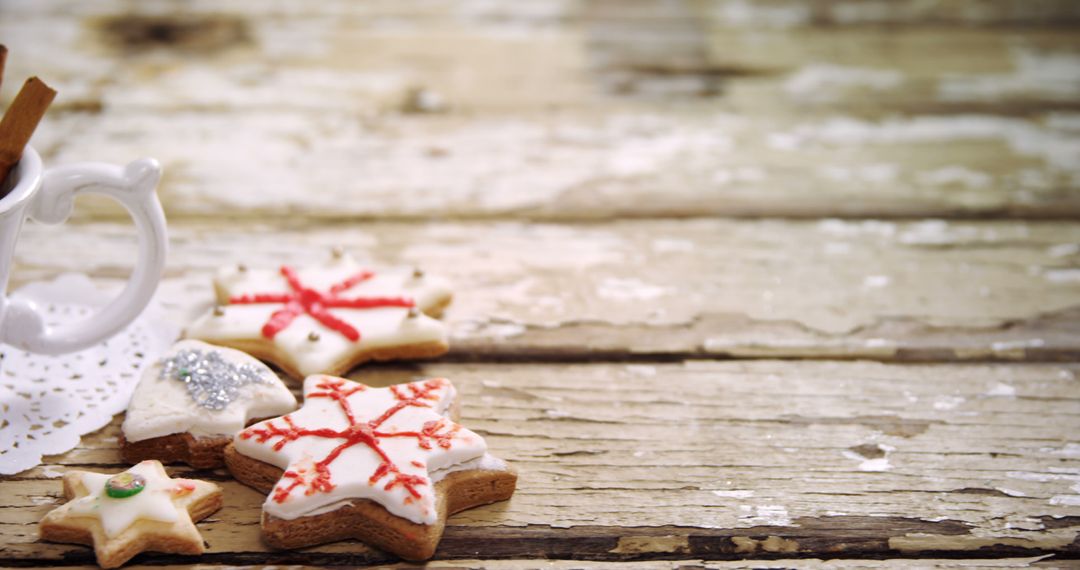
190	404
326	319
124	514
383	465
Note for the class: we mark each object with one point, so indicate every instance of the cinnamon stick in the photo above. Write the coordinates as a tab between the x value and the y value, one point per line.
3	60
20	120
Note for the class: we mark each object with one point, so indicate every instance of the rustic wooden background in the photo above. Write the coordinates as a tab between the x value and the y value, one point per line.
741	283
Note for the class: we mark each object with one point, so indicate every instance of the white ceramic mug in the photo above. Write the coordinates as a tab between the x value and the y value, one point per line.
48	197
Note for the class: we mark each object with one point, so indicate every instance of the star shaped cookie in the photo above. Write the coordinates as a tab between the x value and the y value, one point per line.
382	465
189	405
124	514
326	319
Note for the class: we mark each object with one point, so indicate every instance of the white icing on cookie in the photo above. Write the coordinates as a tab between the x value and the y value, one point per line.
371	462
378	327
155	502
486	462
163	405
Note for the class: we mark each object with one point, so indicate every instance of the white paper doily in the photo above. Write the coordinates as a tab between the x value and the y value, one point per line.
48	402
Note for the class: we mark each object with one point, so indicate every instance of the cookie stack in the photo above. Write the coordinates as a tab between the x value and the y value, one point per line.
382	465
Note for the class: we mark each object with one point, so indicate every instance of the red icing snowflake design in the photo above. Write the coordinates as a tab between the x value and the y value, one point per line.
304	300
360	431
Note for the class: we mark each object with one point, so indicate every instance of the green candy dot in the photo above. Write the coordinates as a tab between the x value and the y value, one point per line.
125	485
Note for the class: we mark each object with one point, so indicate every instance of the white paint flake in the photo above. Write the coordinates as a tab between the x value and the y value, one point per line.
619	289
1065	500
1068	450
642	370
1063	249
1002	390
1042	477
745	13
765	515
1007	345
1060	149
821	83
876	281
1062	275
1047	75
483	329
945	403
880	173
668	245
876	464
955	176
51	472
852	229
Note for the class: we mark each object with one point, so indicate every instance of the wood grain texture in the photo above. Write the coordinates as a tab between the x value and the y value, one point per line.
930	290
574	166
568	110
1047	561
711	460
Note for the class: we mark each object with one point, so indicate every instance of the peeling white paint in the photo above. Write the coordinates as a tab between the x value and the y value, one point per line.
765	515
851	229
823	82
955	176
1065	500
1042	477
1062	275
1002	390
866	174
630	289
1046	75
1063	249
1059	149
876	464
668	245
52	472
486	329
746	13
945	403
643	370
1011	492
836	248
876	281
1007	345
1068	450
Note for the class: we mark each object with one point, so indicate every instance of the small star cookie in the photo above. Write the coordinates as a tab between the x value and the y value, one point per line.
190	404
382	465
124	514
326	319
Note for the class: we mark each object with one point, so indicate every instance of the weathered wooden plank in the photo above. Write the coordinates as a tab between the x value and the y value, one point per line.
930	290
530	564
561	111
334	59
712	460
734	14
584	166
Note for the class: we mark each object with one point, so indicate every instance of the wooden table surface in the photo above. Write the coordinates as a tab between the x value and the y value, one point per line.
739	283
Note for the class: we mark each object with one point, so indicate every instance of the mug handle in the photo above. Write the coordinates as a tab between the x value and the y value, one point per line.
133	186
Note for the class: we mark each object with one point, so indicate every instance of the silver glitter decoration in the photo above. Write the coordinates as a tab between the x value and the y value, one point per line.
212	382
